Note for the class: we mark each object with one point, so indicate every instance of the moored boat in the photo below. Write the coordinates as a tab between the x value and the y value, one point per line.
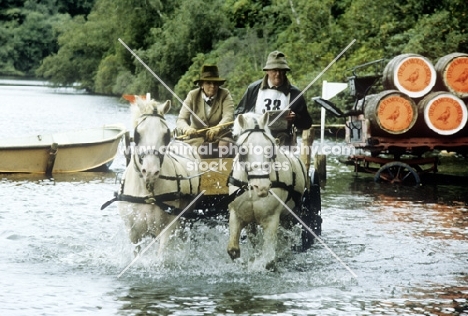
70	151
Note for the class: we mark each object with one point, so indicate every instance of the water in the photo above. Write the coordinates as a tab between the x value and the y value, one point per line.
61	255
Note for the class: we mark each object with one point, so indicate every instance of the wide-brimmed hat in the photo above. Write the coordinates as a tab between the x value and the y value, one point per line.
210	73
276	60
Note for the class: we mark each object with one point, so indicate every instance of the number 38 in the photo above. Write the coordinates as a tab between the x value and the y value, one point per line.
276	104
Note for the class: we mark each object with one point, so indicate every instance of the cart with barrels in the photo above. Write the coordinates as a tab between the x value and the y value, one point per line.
421	109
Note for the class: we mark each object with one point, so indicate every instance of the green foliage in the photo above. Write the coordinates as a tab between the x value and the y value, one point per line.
28	32
108	70
82	48
176	37
7	51
34	41
194	28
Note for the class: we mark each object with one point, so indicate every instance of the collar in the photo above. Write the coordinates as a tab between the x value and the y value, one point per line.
208	100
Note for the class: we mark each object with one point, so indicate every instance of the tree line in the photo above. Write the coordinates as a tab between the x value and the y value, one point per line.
68	42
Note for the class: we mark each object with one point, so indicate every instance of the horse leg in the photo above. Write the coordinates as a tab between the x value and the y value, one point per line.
135	224
159	229
252	233
163	241
270	237
235	228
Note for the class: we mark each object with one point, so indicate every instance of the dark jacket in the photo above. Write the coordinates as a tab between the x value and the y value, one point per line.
248	101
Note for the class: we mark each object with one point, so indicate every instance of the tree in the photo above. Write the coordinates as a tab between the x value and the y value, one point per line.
34	41
28	32
82	46
175	37
194	28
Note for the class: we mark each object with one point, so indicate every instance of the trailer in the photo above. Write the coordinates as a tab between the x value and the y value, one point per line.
397	123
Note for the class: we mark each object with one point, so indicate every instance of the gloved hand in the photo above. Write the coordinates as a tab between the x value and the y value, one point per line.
190	132
212	134
291	117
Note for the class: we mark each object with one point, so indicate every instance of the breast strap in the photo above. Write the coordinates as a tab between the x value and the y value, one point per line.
243	186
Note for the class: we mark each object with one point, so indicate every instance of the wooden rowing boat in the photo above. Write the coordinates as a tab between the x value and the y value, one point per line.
71	151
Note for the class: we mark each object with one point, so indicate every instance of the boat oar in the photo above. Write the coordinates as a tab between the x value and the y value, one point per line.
203	130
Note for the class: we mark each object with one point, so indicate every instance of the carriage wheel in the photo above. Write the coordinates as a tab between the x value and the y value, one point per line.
397	172
310	213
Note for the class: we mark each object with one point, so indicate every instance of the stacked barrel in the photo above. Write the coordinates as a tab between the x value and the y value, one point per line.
420	99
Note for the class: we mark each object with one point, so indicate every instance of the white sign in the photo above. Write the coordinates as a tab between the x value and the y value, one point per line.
330	89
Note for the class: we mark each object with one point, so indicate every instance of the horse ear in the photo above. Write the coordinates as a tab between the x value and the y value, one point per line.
241	120
166	107
264	120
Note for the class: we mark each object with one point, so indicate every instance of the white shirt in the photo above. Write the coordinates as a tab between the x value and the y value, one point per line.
208	107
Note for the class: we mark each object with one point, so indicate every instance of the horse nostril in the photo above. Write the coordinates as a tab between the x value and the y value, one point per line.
143	171
156	173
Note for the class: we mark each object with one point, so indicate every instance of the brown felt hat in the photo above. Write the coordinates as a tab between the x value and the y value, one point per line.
210	73
276	60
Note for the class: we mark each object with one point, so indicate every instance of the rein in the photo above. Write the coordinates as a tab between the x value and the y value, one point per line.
158	200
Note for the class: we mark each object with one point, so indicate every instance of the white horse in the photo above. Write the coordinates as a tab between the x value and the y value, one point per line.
260	168
160	179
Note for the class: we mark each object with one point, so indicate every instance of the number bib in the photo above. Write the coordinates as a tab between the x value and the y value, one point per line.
271	100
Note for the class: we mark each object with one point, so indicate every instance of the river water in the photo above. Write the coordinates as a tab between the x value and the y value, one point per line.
61	255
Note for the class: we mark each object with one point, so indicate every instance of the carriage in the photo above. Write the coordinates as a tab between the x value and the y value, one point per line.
401	118
167	179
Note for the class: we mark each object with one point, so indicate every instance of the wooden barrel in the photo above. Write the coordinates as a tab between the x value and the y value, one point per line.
452	74
390	112
411	74
443	113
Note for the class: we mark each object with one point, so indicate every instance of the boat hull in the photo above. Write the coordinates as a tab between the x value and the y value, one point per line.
73	151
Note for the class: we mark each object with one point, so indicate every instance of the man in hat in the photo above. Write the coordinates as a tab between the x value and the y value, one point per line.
274	93
213	105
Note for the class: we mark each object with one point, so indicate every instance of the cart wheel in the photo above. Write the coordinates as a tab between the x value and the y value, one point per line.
397	172
314	178
310	214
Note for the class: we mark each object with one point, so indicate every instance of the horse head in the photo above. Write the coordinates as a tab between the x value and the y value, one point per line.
256	150
151	136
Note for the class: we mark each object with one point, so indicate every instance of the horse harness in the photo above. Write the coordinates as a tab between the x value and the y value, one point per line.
161	199
158	200
136	138
244	185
